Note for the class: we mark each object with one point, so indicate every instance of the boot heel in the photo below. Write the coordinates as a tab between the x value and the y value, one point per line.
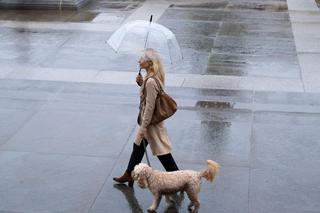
130	183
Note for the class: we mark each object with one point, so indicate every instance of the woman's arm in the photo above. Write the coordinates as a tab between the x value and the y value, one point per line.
152	93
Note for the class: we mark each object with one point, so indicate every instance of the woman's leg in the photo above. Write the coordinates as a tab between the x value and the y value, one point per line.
168	162
136	155
135	158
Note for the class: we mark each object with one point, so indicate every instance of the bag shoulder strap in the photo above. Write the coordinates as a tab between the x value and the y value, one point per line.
157	82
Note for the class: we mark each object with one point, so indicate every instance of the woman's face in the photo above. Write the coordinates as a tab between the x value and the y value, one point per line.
144	64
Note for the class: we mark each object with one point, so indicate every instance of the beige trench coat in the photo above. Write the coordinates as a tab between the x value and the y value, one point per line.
156	134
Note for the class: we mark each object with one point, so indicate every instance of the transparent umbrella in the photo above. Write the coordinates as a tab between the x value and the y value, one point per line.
135	36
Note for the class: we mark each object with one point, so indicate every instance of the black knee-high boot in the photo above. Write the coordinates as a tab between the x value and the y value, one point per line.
136	156
168	162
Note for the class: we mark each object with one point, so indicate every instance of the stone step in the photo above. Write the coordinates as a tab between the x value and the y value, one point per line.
42	4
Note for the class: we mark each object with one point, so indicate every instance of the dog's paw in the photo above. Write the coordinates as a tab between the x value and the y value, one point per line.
151	210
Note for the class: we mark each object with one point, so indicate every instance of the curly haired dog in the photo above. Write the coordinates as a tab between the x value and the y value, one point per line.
168	183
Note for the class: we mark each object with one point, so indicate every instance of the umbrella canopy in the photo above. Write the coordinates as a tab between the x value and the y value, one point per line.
135	36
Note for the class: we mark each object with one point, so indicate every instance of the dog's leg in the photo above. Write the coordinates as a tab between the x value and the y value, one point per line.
190	206
194	200
196	204
189	193
169	199
181	195
178	198
156	201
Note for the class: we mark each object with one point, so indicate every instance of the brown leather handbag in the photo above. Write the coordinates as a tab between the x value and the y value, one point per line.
165	106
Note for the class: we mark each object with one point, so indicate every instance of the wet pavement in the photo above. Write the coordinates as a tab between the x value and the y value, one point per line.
62	141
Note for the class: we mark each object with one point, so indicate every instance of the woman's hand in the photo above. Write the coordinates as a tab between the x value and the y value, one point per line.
140	134
139	79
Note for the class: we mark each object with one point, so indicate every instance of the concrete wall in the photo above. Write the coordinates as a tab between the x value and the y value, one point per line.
42	4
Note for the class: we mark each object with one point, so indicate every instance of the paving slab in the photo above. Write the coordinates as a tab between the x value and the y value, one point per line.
33	182
306	29
26	95
72	133
11	121
286	118
288	191
289	98
308	5
286	142
307	44
310	72
305	16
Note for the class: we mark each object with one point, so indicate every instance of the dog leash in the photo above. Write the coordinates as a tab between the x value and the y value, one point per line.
145	149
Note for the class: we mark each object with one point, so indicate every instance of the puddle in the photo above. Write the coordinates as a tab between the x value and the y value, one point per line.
215	104
272	6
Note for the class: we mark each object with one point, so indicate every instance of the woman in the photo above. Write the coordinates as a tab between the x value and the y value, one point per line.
156	134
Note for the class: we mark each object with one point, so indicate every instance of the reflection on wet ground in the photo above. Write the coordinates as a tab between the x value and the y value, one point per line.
128	193
135	207
272	6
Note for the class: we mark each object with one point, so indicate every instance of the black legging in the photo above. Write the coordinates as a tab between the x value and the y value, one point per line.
166	160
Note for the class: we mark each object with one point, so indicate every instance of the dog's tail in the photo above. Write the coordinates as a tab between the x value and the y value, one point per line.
212	170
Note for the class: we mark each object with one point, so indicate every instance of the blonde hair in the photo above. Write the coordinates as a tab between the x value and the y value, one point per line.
156	69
